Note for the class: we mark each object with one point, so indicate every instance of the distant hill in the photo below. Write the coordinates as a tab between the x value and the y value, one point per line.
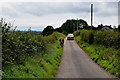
34	32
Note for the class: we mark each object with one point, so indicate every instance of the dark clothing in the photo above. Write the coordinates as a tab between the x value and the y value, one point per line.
61	42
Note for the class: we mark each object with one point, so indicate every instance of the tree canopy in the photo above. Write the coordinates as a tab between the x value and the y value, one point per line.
48	30
71	25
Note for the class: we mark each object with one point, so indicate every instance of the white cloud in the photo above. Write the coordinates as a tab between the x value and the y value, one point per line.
40	14
59	0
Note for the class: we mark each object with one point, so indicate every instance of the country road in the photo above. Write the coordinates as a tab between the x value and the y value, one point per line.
76	63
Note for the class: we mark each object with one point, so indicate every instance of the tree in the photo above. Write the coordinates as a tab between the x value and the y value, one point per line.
48	30
71	25
58	29
114	27
119	28
100	26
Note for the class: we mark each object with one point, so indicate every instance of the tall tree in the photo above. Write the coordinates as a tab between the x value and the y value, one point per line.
71	25
119	28
48	30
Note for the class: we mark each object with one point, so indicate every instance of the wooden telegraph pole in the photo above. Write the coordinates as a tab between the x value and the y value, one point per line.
77	24
91	16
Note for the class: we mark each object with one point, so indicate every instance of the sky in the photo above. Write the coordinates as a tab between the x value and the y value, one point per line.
39	14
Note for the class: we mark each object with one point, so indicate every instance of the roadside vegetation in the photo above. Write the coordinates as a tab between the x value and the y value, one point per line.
31	54
26	55
102	46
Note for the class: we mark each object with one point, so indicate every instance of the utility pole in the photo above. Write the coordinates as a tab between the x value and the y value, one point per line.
91	16
72	25
77	24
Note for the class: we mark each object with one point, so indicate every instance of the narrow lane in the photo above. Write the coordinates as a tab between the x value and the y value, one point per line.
76	63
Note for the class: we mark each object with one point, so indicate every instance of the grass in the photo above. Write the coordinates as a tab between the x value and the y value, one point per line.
39	66
108	58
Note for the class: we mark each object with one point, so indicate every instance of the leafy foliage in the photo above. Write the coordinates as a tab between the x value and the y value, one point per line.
48	30
104	51
108	38
18	47
71	25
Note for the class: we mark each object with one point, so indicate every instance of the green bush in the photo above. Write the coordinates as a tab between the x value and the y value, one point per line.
17	45
91	38
108	38
25	54
76	33
103	52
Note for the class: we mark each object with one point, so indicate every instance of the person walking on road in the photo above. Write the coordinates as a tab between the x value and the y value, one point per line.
61	42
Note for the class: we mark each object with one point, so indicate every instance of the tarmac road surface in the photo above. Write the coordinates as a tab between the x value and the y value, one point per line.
76	63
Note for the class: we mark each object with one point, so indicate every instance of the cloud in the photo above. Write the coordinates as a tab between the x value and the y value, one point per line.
106	9
43	8
59	0
41	14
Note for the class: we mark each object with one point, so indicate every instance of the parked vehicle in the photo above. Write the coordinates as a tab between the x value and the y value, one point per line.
70	37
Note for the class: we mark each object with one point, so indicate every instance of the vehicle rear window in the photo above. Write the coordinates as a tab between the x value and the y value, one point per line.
70	34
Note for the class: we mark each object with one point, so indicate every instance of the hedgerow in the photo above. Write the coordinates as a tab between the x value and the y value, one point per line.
16	45
108	38
19	47
104	50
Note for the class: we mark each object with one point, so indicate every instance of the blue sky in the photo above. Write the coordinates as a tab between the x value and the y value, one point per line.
38	15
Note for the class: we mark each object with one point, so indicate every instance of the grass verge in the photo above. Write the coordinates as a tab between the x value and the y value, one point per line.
39	66
108	58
